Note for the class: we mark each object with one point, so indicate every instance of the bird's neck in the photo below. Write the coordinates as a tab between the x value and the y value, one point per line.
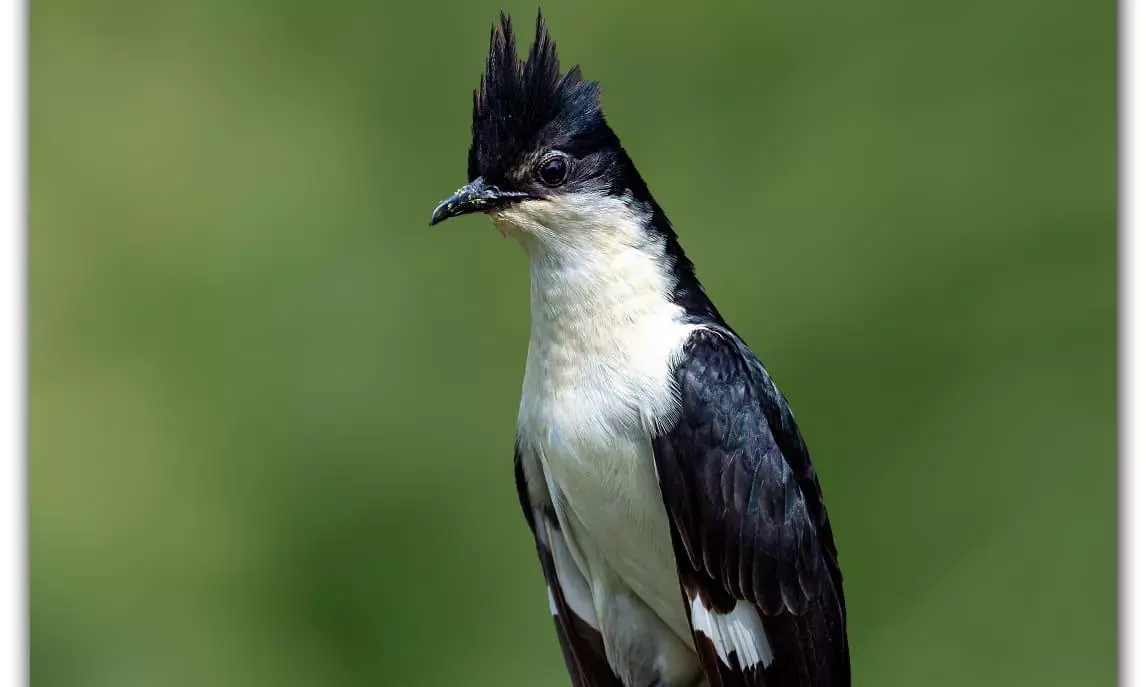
607	314
595	288
605	330
606	272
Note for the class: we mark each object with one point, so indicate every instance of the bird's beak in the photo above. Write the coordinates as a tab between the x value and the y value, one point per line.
475	196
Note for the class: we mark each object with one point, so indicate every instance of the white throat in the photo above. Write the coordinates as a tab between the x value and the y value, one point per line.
604	331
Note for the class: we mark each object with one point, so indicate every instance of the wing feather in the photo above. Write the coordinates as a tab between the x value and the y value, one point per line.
754	548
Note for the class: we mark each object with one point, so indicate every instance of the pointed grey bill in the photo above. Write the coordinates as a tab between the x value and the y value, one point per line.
475	196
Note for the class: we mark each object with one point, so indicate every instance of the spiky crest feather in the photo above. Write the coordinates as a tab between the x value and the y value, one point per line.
516	100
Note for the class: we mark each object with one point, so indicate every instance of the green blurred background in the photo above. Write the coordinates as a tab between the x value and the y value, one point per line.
272	411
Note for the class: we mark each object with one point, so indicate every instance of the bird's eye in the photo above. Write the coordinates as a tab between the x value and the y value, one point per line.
553	170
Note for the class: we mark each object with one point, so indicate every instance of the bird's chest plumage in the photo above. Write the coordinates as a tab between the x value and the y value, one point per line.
591	402
598	465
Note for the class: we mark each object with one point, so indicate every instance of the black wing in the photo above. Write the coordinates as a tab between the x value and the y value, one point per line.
753	543
580	641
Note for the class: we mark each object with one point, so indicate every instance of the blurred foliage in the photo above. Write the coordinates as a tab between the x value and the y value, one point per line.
272	412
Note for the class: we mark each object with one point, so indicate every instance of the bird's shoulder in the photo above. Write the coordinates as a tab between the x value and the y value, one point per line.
732	409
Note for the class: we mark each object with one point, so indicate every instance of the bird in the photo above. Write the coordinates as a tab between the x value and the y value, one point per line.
679	522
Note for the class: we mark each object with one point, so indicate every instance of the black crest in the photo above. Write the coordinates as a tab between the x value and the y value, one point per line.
520	102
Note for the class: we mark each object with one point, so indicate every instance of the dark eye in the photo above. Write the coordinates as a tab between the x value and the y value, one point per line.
553	170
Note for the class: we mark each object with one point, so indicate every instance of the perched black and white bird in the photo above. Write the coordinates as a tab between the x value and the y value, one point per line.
679	522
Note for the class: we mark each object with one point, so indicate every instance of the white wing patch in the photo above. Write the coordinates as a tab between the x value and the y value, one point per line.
739	631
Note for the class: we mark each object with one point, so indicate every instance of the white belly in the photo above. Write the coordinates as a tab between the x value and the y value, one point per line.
610	503
612	520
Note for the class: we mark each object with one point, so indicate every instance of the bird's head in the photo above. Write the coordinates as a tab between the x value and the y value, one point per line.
542	155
